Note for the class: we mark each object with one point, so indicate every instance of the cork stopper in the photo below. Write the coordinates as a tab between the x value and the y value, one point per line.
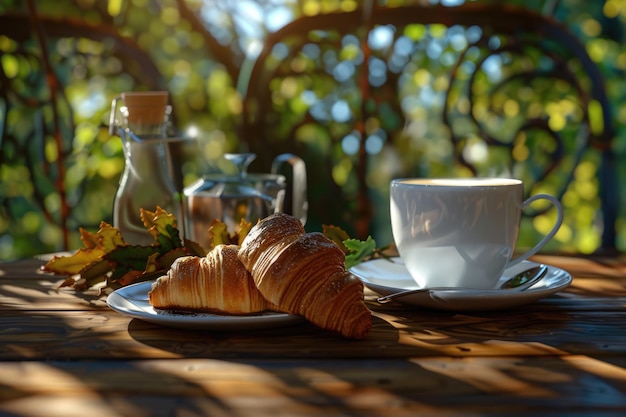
145	107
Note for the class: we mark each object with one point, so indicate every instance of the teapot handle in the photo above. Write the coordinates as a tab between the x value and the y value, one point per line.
297	189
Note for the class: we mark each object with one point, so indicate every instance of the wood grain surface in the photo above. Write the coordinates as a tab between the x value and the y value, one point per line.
66	353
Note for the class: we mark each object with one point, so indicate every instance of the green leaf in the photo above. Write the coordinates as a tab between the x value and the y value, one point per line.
131	256
96	272
360	250
169	240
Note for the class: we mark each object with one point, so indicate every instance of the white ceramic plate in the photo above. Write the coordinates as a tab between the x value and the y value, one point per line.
132	301
390	276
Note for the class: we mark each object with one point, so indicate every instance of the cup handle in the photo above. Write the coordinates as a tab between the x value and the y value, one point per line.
297	186
555	228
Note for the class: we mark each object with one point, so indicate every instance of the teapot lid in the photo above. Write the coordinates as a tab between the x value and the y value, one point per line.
241	185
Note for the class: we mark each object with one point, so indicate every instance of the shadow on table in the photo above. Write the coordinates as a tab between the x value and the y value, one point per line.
415	363
304	369
300	340
435	363
395	333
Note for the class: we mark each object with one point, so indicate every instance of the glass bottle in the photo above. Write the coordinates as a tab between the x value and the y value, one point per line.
141	119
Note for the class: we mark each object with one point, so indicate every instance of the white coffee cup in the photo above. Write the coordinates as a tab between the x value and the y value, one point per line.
456	232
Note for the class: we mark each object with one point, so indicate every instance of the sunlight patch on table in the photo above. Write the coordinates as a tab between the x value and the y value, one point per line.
597	367
495	379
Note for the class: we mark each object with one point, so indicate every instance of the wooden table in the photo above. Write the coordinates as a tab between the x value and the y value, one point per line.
67	354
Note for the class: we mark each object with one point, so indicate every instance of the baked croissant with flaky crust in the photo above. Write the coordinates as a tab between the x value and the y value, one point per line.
304	273
216	283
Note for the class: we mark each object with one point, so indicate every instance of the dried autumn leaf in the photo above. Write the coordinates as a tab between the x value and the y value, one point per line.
107	258
337	235
90	240
146	217
69	281
96	272
166	260
130	277
244	229
96	245
156	222
152	263
194	248
218	234
109	237
70	265
113	280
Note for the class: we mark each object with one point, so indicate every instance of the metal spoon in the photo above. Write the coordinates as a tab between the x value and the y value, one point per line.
519	282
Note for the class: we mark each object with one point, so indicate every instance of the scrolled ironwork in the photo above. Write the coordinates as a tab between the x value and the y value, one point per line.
535	53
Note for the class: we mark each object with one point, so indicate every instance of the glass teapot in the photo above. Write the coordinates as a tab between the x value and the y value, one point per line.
249	196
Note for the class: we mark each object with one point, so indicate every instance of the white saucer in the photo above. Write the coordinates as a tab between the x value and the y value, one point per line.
132	301
388	276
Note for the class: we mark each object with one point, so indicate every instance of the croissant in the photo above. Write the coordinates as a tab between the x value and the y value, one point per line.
304	273
216	283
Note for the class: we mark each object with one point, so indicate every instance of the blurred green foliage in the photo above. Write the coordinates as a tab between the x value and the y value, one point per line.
62	62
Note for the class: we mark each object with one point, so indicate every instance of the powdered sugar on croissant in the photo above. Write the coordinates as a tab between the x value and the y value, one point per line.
304	273
217	282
